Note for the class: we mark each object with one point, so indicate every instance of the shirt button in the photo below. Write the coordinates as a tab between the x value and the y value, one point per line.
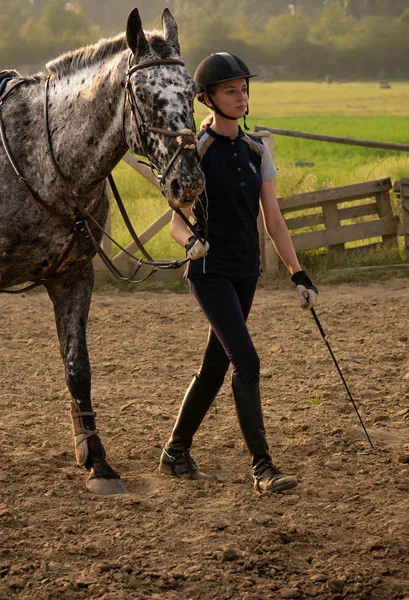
235	154
232	143
239	169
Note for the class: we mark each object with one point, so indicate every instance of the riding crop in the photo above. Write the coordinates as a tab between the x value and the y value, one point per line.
323	334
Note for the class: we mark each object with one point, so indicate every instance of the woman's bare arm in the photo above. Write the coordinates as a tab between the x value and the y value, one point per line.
276	227
178	228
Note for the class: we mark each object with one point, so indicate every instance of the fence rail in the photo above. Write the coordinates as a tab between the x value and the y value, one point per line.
324	221
334	139
333	232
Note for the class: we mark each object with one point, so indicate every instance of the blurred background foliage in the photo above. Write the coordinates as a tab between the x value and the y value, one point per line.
282	39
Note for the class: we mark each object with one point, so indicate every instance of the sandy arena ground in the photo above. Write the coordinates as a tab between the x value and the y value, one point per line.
343	533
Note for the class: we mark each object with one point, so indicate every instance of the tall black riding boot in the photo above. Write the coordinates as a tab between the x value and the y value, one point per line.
176	459
267	478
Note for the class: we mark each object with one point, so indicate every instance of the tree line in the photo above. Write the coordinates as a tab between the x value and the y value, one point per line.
280	38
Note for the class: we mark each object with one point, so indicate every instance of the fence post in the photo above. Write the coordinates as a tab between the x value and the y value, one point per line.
270	143
404	194
384	208
269	257
332	221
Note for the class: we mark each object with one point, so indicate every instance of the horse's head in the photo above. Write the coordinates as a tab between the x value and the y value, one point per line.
161	94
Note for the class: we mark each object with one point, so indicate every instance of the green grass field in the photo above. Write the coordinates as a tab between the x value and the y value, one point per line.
359	110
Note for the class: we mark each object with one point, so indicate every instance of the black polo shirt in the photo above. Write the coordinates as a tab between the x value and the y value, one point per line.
234	171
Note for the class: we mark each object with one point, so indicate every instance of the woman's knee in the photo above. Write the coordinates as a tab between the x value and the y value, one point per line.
212	375
248	371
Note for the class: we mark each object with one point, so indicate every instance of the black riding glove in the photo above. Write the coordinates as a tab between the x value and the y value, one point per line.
307	292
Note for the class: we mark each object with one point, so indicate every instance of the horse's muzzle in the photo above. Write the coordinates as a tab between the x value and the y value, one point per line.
181	203
182	191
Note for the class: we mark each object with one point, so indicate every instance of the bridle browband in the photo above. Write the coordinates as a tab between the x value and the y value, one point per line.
186	139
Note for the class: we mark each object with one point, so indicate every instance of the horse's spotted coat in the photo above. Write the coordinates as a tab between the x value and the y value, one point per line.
87	124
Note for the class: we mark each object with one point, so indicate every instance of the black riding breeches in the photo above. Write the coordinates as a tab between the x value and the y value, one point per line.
226	304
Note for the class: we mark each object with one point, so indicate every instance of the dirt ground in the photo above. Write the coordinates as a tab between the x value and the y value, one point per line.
342	533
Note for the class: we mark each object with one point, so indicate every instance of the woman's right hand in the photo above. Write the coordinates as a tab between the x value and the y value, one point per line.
195	248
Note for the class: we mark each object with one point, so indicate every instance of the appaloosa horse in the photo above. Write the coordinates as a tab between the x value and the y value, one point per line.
62	133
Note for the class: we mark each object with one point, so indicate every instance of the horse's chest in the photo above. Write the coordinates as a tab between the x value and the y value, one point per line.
28	256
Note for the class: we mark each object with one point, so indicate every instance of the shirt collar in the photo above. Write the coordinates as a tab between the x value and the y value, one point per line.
224	138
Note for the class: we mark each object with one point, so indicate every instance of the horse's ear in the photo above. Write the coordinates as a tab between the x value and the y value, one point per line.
170	28
135	37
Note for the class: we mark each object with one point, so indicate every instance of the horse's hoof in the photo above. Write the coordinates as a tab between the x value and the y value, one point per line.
106	487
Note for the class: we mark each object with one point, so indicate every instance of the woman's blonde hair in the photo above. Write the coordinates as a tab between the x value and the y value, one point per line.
201	97
207	121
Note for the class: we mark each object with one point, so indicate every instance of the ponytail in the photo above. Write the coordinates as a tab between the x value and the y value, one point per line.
207	121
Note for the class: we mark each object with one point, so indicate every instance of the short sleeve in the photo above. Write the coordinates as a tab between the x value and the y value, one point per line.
268	169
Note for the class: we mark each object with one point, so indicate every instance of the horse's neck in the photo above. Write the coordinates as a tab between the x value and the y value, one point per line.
86	118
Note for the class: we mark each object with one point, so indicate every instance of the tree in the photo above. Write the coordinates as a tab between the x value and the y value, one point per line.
404	17
334	22
286	29
12	47
12	13
35	7
59	18
384	8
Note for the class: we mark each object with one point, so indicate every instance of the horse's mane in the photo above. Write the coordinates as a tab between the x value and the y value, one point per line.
75	60
10	73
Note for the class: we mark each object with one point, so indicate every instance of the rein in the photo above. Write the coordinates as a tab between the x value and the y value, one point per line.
186	139
3	95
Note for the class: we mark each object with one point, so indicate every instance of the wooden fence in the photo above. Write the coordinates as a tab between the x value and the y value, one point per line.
327	223
402	188
327	219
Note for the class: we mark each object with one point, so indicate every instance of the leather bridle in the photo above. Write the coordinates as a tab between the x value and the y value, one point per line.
186	139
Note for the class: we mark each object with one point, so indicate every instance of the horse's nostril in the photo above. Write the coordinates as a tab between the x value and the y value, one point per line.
175	187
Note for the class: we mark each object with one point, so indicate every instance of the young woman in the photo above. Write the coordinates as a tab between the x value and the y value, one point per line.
223	272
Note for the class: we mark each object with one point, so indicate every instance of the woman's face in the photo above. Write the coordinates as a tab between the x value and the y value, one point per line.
231	97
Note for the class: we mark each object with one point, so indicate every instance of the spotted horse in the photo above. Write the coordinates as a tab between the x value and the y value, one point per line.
62	133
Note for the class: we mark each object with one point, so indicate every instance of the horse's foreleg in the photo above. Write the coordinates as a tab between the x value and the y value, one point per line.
71	296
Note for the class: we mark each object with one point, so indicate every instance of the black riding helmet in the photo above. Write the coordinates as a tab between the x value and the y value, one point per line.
217	68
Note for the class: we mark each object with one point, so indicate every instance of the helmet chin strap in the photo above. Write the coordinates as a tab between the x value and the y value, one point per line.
219	112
